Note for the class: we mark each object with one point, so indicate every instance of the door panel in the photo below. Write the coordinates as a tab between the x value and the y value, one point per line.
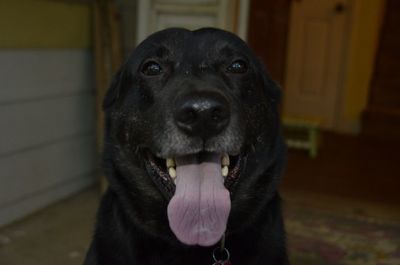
315	60
191	14
315	46
166	20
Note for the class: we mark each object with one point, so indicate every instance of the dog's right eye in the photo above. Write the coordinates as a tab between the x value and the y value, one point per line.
237	67
151	68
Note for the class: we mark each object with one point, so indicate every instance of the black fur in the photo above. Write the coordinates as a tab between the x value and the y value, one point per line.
132	226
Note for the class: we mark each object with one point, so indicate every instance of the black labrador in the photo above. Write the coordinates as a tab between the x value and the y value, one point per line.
193	154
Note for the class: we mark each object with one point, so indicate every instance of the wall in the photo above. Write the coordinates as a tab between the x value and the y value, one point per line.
128	9
364	28
47	147
44	24
382	116
272	18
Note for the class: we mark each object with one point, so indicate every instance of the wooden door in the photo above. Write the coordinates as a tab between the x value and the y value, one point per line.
155	15
315	59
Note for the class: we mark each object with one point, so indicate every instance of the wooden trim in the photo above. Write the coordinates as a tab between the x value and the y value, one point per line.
100	68
142	13
114	22
243	18
108	58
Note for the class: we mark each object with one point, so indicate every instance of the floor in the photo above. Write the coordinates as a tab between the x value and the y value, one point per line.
58	235
61	233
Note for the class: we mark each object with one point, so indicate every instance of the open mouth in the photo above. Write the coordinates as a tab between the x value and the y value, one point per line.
163	171
198	186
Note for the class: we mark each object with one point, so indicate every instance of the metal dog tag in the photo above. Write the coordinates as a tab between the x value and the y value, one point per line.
226	261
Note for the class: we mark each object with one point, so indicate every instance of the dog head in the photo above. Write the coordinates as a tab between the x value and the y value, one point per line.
195	114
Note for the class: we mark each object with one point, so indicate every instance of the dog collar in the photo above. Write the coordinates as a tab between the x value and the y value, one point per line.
221	254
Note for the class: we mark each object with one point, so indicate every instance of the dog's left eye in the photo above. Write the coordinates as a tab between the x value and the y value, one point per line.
237	67
152	68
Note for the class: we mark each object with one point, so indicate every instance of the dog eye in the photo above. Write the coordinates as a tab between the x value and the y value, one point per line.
151	68
237	67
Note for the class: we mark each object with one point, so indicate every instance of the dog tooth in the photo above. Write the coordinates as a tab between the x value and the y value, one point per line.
225	171
170	162
225	160
172	172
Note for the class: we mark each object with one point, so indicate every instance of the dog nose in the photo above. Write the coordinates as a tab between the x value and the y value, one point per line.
202	114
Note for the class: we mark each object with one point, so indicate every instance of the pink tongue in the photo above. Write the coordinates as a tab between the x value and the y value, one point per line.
199	210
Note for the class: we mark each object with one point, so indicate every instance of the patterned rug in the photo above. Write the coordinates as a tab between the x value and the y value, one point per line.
325	238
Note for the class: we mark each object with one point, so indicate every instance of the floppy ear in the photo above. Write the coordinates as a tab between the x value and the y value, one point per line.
114	91
272	88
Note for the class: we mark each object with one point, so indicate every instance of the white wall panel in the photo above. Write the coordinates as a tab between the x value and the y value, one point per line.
32	74
47	122
40	168
33	123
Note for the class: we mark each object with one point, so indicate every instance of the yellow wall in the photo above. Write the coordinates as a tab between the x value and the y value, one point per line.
44	24
364	37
